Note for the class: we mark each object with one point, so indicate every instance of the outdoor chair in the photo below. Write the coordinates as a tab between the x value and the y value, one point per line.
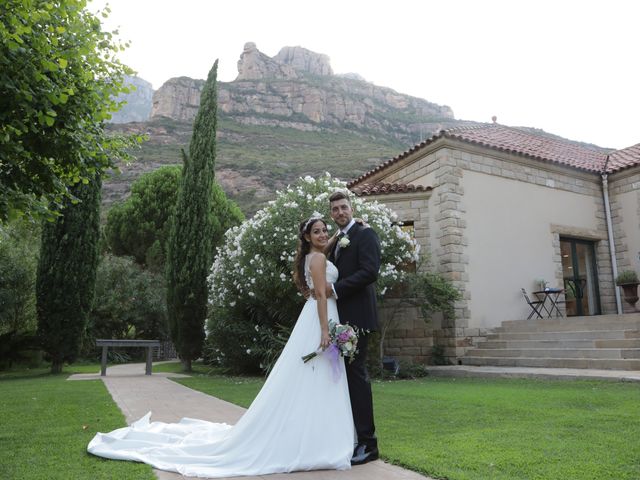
536	305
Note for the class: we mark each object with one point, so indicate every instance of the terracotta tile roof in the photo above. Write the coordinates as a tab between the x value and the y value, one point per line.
513	140
627	157
532	144
387	188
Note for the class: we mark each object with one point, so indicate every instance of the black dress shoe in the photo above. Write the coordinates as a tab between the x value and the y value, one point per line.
363	454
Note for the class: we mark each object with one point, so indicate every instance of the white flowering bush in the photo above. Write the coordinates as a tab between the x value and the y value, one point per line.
252	293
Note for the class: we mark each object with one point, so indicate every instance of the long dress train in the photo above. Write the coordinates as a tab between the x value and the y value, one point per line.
300	420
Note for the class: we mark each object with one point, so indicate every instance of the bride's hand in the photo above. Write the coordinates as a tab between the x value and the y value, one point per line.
324	339
362	222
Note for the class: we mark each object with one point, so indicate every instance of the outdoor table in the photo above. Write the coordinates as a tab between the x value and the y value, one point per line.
106	343
549	296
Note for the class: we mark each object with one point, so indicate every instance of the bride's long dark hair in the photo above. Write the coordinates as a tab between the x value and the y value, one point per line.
304	247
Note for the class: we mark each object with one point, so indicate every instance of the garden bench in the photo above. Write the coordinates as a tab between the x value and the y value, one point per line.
106	343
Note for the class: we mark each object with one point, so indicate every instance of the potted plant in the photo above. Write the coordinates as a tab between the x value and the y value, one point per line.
628	281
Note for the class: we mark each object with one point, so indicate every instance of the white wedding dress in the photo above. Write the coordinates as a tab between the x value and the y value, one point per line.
300	420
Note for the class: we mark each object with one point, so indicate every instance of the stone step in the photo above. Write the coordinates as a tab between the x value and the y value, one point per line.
565	327
608	342
568	335
588	343
614	343
598	364
601	321
591	353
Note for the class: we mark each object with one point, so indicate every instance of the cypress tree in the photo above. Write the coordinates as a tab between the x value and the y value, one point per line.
189	251
67	272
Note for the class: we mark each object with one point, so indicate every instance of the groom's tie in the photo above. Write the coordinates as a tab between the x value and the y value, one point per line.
342	234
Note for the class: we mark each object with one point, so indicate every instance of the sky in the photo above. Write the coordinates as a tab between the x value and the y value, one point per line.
569	67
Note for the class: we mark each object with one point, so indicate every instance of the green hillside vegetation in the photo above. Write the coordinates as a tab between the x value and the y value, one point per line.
276	156
280	155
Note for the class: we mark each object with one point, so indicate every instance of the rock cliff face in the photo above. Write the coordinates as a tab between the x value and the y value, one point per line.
255	65
297	89
178	98
304	60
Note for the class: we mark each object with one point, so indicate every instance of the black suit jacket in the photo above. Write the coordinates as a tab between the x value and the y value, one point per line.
358	266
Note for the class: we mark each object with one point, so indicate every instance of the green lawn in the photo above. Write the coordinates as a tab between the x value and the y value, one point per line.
46	423
459	429
475	429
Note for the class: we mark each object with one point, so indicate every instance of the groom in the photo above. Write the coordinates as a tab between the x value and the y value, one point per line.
356	253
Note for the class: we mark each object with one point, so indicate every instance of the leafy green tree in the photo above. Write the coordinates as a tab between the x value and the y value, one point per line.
67	272
139	226
129	301
19	244
59	78
189	252
134	225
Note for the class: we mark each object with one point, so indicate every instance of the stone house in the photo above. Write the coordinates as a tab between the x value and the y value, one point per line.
497	209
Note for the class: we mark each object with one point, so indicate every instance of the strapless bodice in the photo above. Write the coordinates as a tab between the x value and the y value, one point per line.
331	272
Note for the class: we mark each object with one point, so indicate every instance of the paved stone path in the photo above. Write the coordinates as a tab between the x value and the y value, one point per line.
136	394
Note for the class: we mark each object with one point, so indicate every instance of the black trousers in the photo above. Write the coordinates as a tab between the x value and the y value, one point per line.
360	393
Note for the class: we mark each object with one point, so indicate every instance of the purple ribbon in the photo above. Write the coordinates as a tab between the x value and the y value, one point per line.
334	357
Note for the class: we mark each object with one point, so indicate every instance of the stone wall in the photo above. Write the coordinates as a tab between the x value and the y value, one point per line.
409	337
625	186
447	241
624	183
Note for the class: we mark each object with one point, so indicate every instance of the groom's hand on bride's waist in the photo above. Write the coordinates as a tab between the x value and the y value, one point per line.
330	291
311	293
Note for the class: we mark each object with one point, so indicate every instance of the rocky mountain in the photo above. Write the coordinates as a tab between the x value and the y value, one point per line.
283	117
138	103
297	89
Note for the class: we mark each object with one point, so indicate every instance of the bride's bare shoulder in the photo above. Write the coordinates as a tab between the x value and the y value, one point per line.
317	259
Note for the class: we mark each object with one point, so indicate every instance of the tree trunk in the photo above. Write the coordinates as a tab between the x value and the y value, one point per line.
56	366
383	332
186	365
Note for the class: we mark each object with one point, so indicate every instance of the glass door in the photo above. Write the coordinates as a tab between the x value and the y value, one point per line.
580	277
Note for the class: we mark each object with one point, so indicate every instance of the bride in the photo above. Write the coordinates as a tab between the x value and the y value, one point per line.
300	420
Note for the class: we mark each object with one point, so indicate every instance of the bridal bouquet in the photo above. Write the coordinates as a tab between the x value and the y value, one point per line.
344	341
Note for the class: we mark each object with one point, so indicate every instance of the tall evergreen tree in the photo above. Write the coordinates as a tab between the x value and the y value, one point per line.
67	272
189	253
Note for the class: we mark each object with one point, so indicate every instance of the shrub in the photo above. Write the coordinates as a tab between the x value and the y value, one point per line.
429	293
129	302
18	347
19	246
627	276
252	295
